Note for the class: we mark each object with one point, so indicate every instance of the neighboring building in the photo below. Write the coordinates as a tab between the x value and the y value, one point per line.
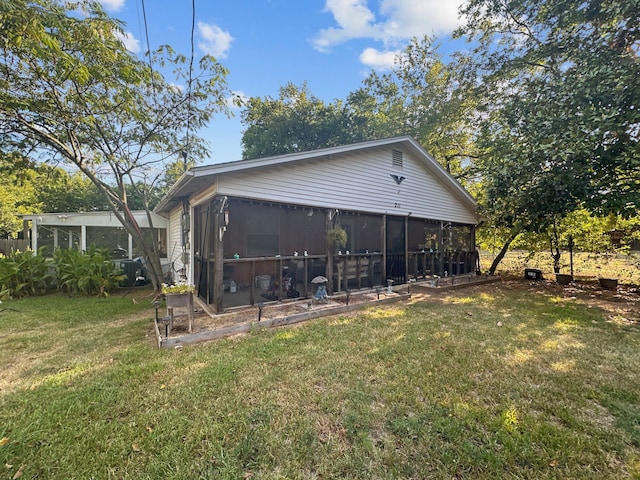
255	230
81	230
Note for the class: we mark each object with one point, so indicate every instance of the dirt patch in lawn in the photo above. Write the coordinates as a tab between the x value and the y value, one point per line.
205	322
622	305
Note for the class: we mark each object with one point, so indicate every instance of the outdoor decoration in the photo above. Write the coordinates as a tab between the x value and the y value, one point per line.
179	295
337	237
321	293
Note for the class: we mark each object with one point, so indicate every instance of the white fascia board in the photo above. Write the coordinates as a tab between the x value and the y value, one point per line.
94	219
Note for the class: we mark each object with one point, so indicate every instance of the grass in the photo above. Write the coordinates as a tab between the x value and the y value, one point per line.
485	384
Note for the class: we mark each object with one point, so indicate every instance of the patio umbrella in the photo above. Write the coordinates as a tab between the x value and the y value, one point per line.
319	279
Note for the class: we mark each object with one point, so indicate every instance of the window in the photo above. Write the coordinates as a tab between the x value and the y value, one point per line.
396	159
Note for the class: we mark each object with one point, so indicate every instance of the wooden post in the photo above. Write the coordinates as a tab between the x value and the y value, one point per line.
218	255
441	249
329	265
406	249
345	263
279	277
306	278
383	235
252	294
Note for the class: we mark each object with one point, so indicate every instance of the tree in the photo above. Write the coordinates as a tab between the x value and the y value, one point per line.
296	121
426	98
70	87
559	125
421	97
18	194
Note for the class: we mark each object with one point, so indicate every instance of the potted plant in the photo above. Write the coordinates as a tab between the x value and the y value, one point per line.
336	238
179	294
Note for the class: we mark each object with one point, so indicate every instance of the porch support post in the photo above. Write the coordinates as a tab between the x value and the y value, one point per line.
130	246
55	238
83	238
476	253
218	254
441	249
406	249
383	237
329	265
34	235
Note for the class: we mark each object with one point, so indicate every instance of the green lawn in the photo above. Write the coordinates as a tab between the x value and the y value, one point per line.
489	383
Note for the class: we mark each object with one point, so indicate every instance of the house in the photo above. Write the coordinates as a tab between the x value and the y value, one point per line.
251	231
101	229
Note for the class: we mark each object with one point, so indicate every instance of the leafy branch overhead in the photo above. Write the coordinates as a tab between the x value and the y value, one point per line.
72	91
561	97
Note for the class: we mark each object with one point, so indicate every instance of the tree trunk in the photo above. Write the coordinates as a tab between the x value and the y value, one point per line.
496	261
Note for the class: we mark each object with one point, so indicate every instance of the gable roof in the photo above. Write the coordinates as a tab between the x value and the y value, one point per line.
199	178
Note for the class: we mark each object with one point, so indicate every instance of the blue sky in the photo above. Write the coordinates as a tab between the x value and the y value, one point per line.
331	44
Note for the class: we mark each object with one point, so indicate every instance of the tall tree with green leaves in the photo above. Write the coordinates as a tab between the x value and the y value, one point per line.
421	96
560	122
18	194
295	121
70	87
426	98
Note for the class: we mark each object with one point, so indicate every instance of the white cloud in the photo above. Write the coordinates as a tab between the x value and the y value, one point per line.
130	42
112	5
354	20
215	41
237	99
395	23
378	60
410	18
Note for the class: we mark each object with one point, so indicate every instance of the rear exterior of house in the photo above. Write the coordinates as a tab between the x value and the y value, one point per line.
256	230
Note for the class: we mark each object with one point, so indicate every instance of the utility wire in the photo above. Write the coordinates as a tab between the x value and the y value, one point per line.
146	34
193	28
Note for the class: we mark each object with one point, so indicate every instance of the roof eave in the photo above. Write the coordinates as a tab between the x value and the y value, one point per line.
165	201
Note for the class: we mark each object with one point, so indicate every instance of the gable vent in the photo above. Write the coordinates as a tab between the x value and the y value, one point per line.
396	159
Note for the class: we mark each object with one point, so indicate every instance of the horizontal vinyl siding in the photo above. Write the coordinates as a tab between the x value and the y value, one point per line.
174	249
359	181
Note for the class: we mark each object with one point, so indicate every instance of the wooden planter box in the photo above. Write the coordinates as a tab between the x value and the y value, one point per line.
563	279
609	283
180	300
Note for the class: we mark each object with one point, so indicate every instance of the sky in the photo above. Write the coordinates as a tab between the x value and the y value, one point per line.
332	45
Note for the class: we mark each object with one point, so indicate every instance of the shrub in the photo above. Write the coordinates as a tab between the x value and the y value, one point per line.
23	273
89	273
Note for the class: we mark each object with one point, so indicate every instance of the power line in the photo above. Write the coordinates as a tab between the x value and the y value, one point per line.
193	27
146	34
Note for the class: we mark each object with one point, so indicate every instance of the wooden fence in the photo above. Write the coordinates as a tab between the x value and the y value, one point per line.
8	245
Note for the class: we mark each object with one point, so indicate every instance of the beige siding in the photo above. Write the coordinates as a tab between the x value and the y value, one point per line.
359	181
